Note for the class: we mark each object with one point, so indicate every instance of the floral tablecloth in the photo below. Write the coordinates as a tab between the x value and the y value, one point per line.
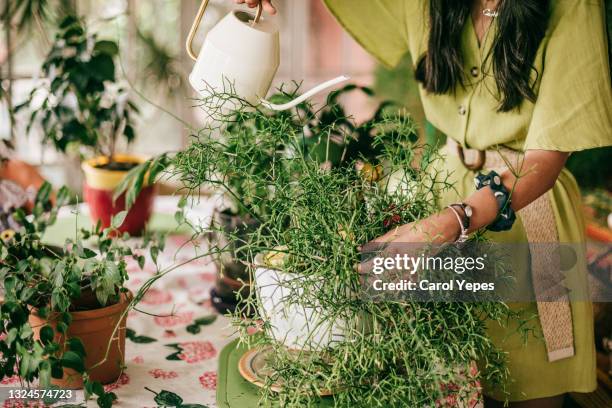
174	341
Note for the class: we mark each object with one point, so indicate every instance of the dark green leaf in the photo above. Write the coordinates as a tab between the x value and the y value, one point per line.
129	133
158	165
46	334
168	399
102	67
131	334
86	253
43	312
206	320
193	329
75	344
128	181
174	356
142	339
154	251
73	360
62	327
106	47
62	197
57	371
141	261
66	317
44	192
97	388
106	400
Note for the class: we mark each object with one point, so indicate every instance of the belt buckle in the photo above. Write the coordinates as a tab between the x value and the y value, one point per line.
476	166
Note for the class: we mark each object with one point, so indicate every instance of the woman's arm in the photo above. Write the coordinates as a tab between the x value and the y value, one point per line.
538	173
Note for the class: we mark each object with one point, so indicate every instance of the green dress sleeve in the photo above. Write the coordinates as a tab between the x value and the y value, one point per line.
378	25
573	110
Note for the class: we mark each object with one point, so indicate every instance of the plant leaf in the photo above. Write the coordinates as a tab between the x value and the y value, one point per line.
46	334
143	339
106	47
206	320
73	360
106	400
118	219
86	253
77	346
168	399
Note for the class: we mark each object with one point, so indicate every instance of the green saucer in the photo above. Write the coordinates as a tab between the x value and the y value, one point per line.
233	391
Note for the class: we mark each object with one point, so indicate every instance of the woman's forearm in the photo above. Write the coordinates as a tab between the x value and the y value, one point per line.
537	174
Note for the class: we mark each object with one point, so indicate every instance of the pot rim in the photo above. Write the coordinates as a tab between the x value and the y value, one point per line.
124	299
106	179
89	165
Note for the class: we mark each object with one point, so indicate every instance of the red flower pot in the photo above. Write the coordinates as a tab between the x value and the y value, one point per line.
98	191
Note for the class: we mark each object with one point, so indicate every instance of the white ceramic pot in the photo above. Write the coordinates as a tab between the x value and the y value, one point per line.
241	54
296	325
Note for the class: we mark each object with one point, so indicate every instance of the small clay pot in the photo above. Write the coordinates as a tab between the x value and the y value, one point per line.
94	328
99	188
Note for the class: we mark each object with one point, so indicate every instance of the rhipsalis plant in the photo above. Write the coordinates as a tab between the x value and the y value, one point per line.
87	273
322	186
242	142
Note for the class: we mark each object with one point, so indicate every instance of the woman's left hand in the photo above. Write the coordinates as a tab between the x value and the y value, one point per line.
439	228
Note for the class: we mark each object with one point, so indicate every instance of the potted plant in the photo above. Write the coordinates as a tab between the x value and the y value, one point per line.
241	149
321	336
64	309
80	105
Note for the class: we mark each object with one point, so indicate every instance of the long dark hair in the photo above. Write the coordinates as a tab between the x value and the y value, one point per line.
521	27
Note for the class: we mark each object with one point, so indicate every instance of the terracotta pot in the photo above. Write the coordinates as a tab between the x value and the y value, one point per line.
94	328
98	192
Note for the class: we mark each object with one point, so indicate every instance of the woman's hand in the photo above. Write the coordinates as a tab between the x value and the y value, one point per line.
267	5
439	228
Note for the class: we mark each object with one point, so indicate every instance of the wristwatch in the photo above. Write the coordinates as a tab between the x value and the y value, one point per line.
464	217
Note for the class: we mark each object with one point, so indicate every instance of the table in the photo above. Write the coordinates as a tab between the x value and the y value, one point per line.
161	353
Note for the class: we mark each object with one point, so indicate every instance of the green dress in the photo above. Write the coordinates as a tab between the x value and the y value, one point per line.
573	112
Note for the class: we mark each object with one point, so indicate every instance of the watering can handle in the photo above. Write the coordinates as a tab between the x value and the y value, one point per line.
196	25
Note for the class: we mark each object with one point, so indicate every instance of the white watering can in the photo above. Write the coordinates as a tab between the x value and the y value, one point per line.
242	50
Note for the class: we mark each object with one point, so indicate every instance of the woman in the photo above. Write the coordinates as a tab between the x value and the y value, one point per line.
530	76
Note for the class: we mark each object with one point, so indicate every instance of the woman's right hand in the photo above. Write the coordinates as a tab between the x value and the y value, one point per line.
267	5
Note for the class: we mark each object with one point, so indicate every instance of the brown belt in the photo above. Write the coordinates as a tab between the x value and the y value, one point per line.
540	226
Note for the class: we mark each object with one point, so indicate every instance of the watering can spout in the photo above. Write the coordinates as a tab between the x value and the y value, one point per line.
305	96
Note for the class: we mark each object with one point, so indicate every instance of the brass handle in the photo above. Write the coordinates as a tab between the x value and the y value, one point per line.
198	20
